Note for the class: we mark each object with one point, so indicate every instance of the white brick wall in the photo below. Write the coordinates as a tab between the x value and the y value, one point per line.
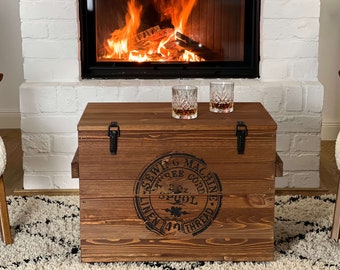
53	97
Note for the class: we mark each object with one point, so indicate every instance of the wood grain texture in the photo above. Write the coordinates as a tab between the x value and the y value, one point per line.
335	233
225	33
152	201
220	249
4	218
157	117
124	188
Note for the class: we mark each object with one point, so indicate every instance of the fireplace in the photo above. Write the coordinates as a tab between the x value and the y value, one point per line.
53	96
169	38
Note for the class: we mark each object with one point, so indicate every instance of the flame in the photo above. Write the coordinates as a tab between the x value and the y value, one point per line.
190	57
137	57
160	44
118	44
176	10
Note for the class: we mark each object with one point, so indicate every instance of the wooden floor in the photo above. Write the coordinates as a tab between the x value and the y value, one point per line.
14	172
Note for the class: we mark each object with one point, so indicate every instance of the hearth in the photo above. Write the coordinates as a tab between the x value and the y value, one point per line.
169	38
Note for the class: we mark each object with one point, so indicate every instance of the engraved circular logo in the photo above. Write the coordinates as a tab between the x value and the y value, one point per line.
177	193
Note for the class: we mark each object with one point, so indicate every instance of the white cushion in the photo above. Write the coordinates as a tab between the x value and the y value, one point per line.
337	151
2	157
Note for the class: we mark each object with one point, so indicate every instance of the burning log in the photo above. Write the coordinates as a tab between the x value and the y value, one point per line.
195	47
147	33
148	42
156	44
153	35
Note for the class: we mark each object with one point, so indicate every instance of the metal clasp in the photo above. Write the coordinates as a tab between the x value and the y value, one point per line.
241	133
113	134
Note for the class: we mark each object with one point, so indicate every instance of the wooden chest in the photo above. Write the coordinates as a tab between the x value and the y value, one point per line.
153	188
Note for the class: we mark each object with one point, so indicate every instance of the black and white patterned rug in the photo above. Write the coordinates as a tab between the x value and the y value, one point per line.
46	236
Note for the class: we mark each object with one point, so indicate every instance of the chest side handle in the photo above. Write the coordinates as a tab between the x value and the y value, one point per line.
241	133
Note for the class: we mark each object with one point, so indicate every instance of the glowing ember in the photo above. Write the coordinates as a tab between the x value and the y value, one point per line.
154	44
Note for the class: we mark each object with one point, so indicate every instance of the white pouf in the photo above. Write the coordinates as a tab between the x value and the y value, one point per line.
2	157
337	151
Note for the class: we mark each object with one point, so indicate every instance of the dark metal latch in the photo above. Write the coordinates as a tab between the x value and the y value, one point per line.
241	133
113	134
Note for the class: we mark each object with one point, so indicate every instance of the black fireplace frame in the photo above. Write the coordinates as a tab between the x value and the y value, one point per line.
248	68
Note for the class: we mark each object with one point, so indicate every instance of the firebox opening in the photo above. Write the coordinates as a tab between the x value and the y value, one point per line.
169	39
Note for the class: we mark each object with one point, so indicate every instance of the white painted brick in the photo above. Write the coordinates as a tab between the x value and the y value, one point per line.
34	29
159	90
35	98
308	179
49	124
66	70
36	143
203	94
38	70
243	94
290	49
298	123
283	142
156	83
65	181
43	181
250	84
301	162
306	28
85	94
147	94
67	100
273	99
36	181
282	182
102	83
27	99
47	99
315	95
51	70
49	49
35	10
108	94
195	82
307	143
165	95
276	29
305	69
129	84
167	83
48	163
274	69
291	9
291	28
63	30
128	90
294	98
65	143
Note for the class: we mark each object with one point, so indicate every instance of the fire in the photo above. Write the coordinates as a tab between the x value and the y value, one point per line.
153	44
176	10
118	44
